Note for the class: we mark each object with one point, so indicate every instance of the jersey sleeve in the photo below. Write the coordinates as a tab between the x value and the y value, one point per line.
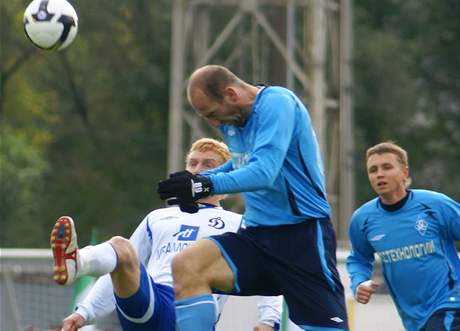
141	239
270	309
99	302
450	210
275	126
226	167
361	259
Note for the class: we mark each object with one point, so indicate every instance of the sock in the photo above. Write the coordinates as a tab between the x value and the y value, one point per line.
196	313
97	260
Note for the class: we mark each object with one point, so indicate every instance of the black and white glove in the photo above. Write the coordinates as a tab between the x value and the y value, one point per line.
185	206
184	188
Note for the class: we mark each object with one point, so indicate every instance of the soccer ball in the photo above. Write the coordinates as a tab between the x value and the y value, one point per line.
50	24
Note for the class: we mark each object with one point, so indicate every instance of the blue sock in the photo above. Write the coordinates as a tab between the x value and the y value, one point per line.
196	313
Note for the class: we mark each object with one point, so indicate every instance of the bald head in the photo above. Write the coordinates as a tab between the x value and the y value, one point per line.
210	81
219	96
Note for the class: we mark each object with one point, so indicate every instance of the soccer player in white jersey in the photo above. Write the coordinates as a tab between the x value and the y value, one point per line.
136	273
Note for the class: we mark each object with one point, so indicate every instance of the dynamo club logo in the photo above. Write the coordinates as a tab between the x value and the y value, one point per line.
187	233
216	222
421	225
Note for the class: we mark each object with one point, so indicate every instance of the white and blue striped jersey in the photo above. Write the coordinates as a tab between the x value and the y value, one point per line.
415	244
276	162
159	237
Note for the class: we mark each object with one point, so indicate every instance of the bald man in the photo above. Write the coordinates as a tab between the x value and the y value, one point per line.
287	243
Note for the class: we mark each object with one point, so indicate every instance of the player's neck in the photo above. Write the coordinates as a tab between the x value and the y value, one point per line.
211	201
393	197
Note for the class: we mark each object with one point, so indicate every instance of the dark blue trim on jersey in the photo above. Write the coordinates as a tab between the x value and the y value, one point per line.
291	199
307	173
321	252
236	287
149	232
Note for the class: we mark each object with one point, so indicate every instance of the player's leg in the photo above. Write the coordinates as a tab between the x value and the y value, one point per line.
446	319
197	270
227	263
71	262
116	256
151	307
310	281
126	275
141	304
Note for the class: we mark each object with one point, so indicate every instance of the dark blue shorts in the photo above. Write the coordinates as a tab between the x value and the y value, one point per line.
297	261
150	308
446	319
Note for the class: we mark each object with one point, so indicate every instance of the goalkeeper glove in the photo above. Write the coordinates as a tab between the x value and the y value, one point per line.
185	187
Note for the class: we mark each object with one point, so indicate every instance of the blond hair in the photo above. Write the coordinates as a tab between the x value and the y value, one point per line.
393	148
209	144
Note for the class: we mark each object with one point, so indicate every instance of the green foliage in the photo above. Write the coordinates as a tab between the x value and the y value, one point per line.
97	115
84	131
22	167
407	77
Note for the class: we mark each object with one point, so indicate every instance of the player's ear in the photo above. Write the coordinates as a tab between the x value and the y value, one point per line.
230	94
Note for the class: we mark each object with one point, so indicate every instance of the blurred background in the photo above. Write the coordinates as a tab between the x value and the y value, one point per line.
89	131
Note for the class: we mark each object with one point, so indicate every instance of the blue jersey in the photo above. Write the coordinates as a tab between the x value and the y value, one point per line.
416	247
276	162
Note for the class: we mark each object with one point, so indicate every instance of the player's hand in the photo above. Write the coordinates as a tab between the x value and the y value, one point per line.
184	187
365	291
73	322
185	206
263	327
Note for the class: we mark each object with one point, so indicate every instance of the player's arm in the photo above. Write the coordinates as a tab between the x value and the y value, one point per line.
226	167
271	144
360	261
270	309
450	210
99	302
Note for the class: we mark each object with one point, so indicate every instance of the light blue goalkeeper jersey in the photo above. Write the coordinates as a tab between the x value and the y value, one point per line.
275	161
416	247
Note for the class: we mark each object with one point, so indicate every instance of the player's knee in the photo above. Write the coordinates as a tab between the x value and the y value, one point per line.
183	270
124	249
180	266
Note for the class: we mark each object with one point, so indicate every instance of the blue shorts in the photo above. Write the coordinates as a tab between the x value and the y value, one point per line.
150	308
447	319
297	261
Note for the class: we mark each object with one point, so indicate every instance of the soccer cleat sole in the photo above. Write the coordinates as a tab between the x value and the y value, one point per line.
61	239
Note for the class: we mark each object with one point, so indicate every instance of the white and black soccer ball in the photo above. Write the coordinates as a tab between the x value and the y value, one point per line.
50	24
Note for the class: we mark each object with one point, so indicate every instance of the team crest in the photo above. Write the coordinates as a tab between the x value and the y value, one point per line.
216	222
421	225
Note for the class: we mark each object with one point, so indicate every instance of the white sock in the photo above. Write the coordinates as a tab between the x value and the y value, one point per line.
97	260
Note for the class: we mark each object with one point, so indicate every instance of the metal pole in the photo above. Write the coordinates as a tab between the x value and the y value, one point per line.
318	49
176	89
10	292
347	149
290	22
